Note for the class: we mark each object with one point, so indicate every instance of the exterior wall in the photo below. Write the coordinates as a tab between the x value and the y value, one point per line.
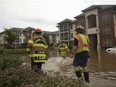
72	31
115	24
81	21
21	38
53	37
115	27
109	24
93	31
96	32
24	35
64	31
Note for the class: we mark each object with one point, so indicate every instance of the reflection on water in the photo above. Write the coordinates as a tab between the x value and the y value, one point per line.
99	61
102	61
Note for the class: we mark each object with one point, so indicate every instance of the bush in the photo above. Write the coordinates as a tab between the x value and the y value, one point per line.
13	74
1	50
15	51
17	77
8	61
58	81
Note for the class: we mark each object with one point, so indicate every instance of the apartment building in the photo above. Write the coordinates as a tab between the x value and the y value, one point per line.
100	24
54	38
65	27
24	34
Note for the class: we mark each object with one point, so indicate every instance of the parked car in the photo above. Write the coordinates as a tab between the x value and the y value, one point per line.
111	50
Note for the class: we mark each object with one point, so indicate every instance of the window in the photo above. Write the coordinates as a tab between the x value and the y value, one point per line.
66	36
20	40
61	28
65	27
106	31
107	43
105	17
82	22
76	25
24	40
71	35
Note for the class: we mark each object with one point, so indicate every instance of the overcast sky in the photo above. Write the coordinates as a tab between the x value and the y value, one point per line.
44	14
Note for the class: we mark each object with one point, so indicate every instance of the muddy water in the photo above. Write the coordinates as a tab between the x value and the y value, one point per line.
102	61
102	67
99	61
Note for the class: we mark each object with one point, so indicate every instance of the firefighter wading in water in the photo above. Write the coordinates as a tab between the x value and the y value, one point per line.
81	53
36	48
63	49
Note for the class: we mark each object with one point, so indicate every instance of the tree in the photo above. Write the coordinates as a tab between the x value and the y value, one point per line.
10	36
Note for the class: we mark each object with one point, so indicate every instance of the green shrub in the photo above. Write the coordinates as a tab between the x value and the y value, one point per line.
7	61
58	81
15	51
13	74
1	50
17	77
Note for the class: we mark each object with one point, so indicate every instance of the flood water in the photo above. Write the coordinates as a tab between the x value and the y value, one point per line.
99	60
102	61
102	67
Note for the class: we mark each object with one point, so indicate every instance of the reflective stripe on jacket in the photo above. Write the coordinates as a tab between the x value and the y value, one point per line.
63	48
38	49
38	57
83	43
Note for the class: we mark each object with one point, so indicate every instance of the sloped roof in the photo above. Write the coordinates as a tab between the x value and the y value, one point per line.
100	7
65	20
22	29
28	29
82	14
16	29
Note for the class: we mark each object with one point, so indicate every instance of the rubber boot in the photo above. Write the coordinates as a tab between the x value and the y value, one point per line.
86	77
78	74
39	66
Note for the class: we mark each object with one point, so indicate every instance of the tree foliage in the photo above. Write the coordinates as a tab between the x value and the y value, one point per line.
10	36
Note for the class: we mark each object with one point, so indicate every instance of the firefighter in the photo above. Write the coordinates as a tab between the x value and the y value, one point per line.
36	48
81	53
63	49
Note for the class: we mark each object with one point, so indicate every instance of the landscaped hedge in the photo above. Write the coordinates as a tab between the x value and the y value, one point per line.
9	61
15	51
14	74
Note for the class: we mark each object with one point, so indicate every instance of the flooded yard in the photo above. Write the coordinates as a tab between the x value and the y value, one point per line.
102	61
99	61
102	67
